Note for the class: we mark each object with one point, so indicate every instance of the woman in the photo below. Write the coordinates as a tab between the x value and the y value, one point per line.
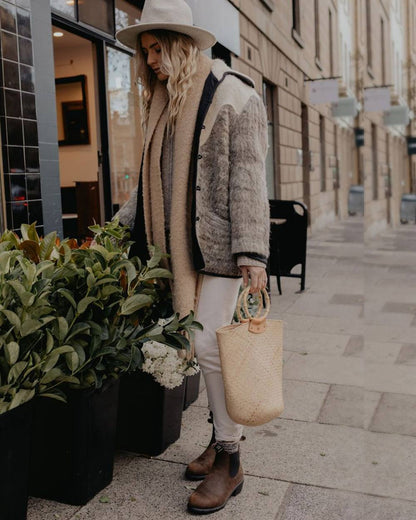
202	197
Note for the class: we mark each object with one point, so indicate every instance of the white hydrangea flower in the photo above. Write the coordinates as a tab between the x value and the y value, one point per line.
163	321
164	364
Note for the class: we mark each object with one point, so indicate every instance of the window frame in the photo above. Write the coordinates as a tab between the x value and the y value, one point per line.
322	154
374	156
296	27
76	22
383	51
270	100
317	36
369	39
331	43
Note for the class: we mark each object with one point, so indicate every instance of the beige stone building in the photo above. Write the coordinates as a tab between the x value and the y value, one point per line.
385	55
314	156
283	45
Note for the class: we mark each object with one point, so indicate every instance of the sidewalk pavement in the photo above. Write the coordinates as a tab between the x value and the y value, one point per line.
345	446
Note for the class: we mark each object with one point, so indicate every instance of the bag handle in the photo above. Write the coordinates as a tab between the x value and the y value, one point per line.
244	305
257	323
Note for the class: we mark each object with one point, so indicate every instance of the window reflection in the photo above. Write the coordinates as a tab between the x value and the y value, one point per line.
66	7
124	125
99	14
126	14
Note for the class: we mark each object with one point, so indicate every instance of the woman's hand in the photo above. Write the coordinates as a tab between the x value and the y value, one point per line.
256	276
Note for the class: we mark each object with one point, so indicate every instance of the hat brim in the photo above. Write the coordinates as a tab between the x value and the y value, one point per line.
202	38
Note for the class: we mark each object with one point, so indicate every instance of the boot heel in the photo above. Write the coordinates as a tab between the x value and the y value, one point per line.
238	489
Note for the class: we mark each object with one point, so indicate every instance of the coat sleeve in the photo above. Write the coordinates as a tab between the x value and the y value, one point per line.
127	213
249	205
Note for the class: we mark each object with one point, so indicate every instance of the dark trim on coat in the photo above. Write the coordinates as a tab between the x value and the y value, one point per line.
234	277
138	233
210	87
255	256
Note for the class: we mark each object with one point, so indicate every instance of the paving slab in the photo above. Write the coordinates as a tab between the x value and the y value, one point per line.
347	299
354	346
303	400
381	352
376	317
338	325
349	406
396	413
325	369
395	285
389	333
314	342
339	457
318	305
382	377
397	289
400	307
314	503
39	509
325	325
407	354
404	260
151	489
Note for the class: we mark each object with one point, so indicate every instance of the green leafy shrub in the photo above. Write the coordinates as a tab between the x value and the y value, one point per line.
91	308
28	353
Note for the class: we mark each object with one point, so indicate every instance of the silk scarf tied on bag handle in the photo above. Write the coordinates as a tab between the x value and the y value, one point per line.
251	361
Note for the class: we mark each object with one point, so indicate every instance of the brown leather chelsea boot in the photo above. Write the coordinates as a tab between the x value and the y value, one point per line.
224	480
199	468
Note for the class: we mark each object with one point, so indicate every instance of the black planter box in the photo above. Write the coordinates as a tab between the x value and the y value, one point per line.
191	389
150	416
15	433
73	445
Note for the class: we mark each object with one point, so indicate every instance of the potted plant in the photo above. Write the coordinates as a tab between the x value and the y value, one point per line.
192	384
27	359
95	311
152	399
106	308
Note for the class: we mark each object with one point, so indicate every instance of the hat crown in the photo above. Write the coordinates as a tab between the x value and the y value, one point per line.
167	11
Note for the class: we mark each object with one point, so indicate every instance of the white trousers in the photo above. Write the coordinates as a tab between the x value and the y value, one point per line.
217	302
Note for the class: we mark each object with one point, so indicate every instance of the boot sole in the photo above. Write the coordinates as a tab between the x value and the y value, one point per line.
207	511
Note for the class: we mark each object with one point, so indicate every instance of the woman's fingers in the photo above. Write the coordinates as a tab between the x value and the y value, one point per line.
244	272
255	281
257	276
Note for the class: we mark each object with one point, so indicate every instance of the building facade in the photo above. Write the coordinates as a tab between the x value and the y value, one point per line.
385	53
70	117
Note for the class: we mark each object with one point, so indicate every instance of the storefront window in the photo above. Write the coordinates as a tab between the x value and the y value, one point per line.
126	14
124	125
99	14
65	7
108	16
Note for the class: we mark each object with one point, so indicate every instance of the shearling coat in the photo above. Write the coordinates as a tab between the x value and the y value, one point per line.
229	204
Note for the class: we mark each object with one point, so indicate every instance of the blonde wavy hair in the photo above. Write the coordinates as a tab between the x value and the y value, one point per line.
179	63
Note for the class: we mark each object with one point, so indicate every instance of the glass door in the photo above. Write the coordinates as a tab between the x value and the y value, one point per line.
124	125
78	123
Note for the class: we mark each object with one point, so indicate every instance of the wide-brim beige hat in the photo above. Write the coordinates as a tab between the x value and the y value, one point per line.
170	15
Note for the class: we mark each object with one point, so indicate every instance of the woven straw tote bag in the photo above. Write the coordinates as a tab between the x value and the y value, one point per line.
251	362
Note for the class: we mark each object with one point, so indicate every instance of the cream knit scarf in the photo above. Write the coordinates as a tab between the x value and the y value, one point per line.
185	277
